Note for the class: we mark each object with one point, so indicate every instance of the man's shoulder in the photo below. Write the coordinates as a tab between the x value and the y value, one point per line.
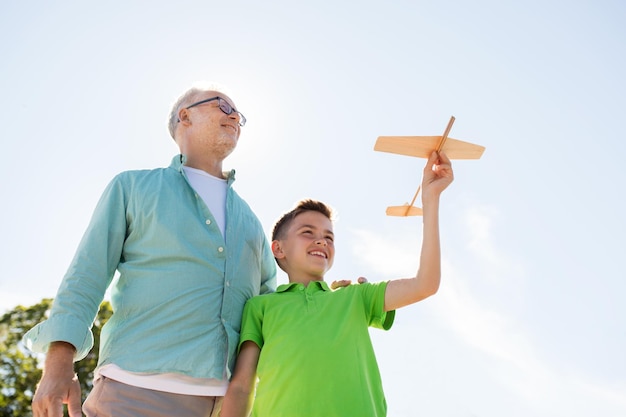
146	172
133	175
143	181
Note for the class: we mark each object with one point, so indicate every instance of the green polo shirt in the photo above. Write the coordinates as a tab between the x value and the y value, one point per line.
316	356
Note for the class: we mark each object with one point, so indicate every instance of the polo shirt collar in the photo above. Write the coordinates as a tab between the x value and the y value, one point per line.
313	286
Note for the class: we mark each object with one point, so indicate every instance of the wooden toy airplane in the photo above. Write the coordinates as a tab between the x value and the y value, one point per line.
422	147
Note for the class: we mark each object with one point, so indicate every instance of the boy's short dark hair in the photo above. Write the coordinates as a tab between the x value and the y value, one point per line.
303	205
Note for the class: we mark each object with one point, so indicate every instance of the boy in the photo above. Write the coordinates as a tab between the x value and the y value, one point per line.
309	346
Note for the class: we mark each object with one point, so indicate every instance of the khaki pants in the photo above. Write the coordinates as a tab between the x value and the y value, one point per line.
110	398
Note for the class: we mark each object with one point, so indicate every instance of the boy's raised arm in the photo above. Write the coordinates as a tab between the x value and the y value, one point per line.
240	395
438	175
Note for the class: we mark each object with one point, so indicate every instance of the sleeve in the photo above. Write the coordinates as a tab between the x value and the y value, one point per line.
374	302
89	275
252	323
268	269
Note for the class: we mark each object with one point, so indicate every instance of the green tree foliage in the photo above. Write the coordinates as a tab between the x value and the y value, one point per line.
20	369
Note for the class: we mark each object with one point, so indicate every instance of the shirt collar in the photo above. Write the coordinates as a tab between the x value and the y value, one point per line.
179	160
313	286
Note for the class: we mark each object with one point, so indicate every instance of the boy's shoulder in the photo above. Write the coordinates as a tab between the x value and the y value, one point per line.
366	286
295	289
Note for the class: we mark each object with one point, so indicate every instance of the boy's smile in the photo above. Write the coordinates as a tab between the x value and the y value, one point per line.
318	253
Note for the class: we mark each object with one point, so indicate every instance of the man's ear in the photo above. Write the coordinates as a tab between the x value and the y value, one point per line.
277	249
183	116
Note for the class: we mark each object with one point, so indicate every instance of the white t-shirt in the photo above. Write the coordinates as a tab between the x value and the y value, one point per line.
212	190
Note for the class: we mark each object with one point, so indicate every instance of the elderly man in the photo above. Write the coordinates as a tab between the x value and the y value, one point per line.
189	252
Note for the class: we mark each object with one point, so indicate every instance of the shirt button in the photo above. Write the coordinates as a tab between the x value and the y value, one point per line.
220	249
228	283
208	221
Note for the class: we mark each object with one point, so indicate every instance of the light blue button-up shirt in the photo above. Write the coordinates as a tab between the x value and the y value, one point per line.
182	287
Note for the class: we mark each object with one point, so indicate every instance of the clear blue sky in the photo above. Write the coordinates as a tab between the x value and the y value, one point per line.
530	319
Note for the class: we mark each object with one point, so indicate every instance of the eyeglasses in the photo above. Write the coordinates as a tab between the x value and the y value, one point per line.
224	106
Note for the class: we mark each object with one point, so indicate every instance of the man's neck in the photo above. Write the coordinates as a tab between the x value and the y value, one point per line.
212	167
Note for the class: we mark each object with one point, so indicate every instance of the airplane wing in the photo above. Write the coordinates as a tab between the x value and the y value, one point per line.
404	211
423	146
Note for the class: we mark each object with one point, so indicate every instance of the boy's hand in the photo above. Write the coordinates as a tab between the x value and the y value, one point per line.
345	282
438	175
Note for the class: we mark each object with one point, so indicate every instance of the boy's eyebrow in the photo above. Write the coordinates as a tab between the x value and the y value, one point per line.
302	226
